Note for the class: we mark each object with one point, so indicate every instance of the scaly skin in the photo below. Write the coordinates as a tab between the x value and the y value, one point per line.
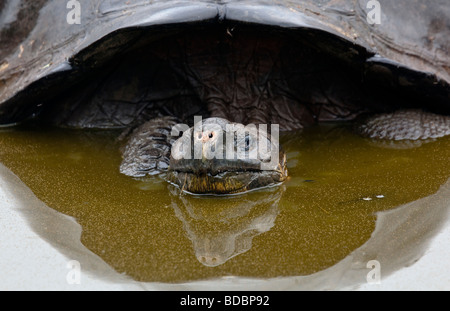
211	169
404	125
151	150
147	151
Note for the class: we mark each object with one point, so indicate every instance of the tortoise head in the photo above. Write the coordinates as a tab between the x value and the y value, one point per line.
219	157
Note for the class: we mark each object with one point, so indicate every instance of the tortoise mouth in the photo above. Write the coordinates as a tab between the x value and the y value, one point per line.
227	182
215	168
224	176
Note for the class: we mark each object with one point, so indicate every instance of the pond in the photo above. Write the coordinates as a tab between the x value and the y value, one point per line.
150	231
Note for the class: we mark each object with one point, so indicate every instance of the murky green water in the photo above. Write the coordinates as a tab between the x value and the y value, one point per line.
146	229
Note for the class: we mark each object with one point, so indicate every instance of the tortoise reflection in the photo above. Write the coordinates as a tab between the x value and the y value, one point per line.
222	227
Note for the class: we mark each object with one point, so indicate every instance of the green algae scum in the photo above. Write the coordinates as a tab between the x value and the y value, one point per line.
148	230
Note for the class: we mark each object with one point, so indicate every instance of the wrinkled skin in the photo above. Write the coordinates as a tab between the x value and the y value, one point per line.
216	157
239	80
199	163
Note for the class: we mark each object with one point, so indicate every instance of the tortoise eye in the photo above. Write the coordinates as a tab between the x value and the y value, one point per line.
247	142
210	135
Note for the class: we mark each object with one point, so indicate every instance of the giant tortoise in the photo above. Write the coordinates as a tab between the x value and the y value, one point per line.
149	66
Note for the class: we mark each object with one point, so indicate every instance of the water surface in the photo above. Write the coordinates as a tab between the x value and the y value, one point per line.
146	229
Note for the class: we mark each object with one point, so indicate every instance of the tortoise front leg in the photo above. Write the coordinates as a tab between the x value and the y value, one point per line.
407	124
147	151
